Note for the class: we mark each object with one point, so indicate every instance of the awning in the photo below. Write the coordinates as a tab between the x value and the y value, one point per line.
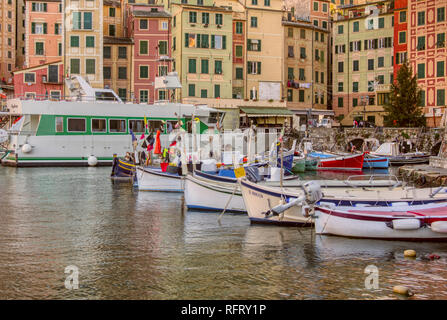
266	112
303	112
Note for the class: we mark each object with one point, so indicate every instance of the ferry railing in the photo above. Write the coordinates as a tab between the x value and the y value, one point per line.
373	177
65	98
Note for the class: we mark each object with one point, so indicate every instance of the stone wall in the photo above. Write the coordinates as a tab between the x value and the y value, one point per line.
338	139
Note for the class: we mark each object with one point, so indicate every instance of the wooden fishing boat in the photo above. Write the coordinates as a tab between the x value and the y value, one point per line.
390	150
344	163
375	162
154	179
410	223
260	199
122	170
299	164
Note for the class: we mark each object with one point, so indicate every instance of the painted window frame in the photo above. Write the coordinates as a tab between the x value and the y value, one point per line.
119	119
76	118
91	125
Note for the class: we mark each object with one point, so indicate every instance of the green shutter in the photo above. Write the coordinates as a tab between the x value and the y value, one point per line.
249	70
87	20
224	42
45	7
213	42
259	67
216	91
204	68
186	40
440	99
45	28
259	45
33	26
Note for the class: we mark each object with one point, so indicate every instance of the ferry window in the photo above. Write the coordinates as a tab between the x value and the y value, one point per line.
136	125
76	125
99	125
59	124
117	125
155	125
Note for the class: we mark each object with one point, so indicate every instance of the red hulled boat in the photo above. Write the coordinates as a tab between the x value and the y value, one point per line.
344	163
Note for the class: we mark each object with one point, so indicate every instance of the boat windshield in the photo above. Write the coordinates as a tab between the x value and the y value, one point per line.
105	96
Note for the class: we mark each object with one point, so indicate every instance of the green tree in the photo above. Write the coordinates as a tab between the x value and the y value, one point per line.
403	108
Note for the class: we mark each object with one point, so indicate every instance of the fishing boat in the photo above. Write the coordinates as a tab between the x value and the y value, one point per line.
260	199
89	127
400	222
299	164
390	150
156	179
375	162
122	169
342	163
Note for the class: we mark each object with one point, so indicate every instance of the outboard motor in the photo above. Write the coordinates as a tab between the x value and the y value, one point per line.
252	174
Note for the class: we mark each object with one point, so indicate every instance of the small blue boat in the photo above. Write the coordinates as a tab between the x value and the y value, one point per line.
375	162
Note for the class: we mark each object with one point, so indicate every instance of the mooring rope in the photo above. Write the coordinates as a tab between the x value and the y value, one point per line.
228	202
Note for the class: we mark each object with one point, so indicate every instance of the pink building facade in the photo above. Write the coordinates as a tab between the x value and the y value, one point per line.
150	28
43	35
40	82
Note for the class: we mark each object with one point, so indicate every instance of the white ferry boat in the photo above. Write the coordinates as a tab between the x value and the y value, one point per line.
83	132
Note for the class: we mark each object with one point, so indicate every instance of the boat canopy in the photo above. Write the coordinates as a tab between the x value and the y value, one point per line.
387	149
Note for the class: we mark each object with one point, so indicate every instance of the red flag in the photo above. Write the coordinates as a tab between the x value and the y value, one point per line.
157	148
173	143
150	147
142	137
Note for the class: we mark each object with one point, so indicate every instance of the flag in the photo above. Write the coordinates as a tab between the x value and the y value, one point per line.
133	136
142	137
173	143
145	122
150	147
157	146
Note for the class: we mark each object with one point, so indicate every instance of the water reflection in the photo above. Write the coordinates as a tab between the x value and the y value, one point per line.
141	245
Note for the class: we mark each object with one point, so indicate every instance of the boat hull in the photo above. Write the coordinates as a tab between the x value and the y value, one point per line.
375	163
150	179
332	222
205	195
343	163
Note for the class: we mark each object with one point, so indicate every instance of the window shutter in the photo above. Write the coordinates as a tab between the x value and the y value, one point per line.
259	68
249	68
259	45
336	49
198	41
212	42
360	45
350	46
45	28
224	42
186	40
366	44
33	27
248	44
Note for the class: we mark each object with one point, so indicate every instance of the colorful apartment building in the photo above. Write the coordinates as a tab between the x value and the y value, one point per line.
20	33
44	81
43	32
150	28
83	40
7	40
400	34
362	61
427	55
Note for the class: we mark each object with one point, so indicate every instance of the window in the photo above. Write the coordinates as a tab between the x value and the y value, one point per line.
162	95
355	26
74	41
301	95
107	53
217	91
143	24
381	79
421	70
162	47
122	53
421	43
144	96
76	125
38	28
421	18
107	72
204	66
219	19
99	125
355	65
355	87
218	67
355	102
422	98
340	102
290	95
117	125
316	23
302	33
440	69
57	28
162	71
191	90
441	14
39	48
111	12
39	7
200	2
340	87
253	67
59	124
290	32
144	72
267	3
403	16
254	45
290	75
137	125
239	73
301	74
144	47
340	66
440	97
239	27
90	41
192	17
205	18
381	23
254	22
402	37
440	40
90	66
302	53
401	57
381	62
82	20
238	51
370	64
203	93
290	52
324	24
218	42
192	65
324	7
75	66
254	2
315	6
112	30
122	73
340	29
164	26
30	77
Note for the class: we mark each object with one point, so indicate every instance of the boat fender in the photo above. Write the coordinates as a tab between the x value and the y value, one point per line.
26	148
405	224
439	226
92	161
403	291
410	253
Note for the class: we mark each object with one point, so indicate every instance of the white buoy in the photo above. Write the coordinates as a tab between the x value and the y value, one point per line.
26	148
92	161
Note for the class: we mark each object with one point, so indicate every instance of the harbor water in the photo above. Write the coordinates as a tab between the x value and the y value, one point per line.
127	244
